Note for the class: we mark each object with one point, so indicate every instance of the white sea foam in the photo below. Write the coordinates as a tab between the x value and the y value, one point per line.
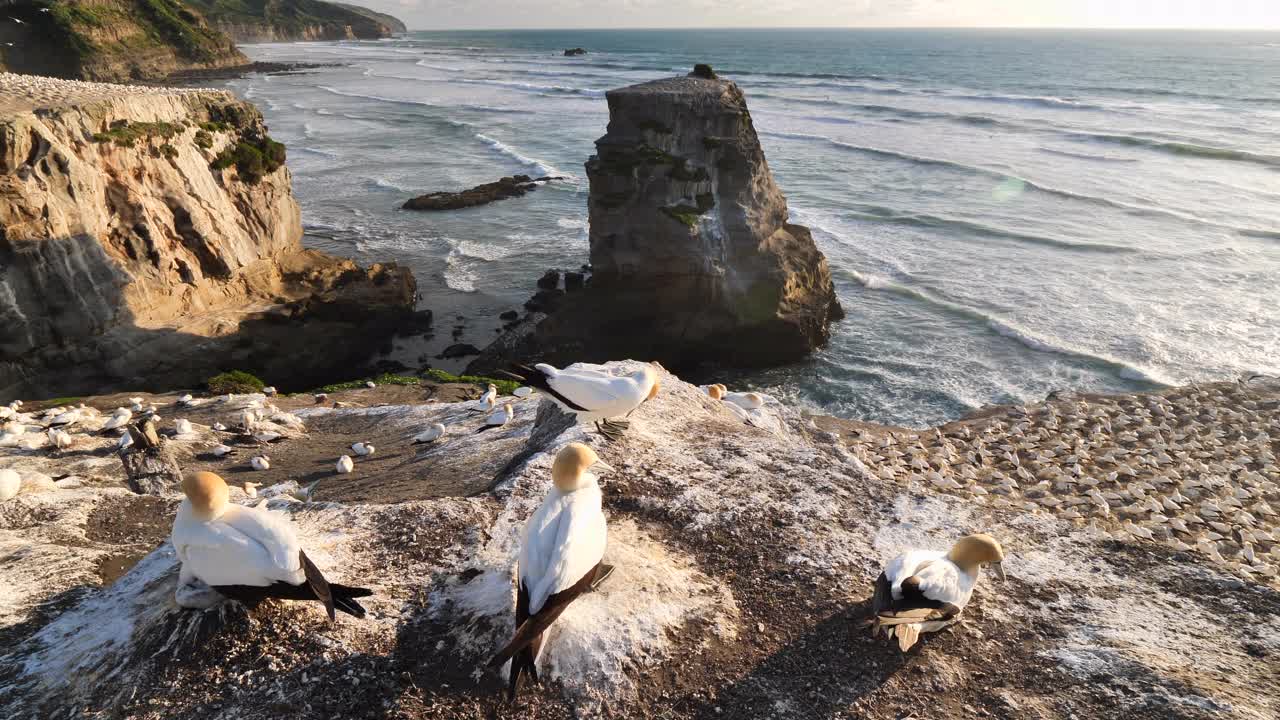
542	168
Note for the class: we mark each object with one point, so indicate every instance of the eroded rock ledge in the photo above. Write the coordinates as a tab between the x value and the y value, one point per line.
150	238
693	256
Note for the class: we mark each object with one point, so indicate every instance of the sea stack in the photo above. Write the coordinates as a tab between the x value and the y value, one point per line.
692	254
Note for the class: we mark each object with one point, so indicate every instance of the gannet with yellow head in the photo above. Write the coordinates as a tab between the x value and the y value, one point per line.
247	553
560	553
594	396
925	590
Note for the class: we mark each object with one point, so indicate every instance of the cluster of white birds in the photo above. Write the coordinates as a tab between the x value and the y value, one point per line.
1194	468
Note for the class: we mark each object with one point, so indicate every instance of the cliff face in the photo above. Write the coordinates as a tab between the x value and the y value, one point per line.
111	40
692	254
283	20
154	235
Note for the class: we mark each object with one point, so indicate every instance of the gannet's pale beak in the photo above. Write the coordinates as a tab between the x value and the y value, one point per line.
999	570
601	466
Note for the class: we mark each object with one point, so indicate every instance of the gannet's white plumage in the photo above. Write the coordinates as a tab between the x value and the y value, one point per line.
182	426
260	462
744	400
345	465
60	439
498	418
561	550
926	590
246	552
593	395
431	434
362	449
10	483
489	400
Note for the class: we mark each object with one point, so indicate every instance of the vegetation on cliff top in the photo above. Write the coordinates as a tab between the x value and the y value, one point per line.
252	19
253	158
234	381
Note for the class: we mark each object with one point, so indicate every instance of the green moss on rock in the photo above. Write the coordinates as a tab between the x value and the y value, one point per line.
234	381
123	133
253	158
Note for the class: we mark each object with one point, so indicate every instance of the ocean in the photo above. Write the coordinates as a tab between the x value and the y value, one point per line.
1006	213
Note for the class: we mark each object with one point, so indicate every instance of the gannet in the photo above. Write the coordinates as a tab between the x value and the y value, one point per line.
221	450
431	434
185	400
489	400
370	384
10	483
345	465
595	396
219	427
320	398
363	449
260	462
560	557
269	391
126	440
118	419
715	392
498	418
746	401
182	426
925	590
246	553
60	439
248	419
251	488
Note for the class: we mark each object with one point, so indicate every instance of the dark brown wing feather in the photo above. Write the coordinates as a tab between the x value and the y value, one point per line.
531	629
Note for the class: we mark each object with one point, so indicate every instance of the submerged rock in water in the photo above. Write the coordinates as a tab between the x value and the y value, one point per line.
574	52
507	187
692	253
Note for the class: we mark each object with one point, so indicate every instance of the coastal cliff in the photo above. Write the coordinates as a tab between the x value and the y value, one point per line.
285	20
110	40
151	237
693	257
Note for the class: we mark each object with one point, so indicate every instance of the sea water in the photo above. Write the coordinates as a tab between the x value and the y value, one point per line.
1005	213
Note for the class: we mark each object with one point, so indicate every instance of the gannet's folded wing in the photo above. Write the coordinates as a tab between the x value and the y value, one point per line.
220	554
581	538
274	533
592	392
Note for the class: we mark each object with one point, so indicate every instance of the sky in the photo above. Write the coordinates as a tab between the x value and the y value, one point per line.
505	14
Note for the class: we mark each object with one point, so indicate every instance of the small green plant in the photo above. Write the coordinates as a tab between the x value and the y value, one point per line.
685	214
704	70
204	139
711	143
168	151
214	126
234	381
506	387
253	159
383	379
60	402
123	133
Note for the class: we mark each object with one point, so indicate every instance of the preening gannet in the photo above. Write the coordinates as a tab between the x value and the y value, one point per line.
363	449
715	392
925	590
10	483
260	462
431	434
60	439
595	396
182	426
221	450
345	465
248	553
560	552
498	418
489	400
746	401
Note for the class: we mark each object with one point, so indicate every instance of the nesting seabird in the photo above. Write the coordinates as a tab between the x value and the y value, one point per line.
10	483
595	396
345	465
182	426
489	400
744	400
260	462
498	418
431	434
362	449
60	439
248	553
925	590
560	557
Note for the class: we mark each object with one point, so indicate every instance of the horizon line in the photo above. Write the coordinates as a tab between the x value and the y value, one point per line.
1099	28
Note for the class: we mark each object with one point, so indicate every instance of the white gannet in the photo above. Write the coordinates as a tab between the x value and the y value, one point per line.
219	427
363	449
248	419
489	400
60	439
251	488
595	396
260	462
370	384
925	590
560	557
745	400
247	553
10	483
126	440
715	392
269	391
67	417
431	434
182	426
185	400
345	465
498	418
221	451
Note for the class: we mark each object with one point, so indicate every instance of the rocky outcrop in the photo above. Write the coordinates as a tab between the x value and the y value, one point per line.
692	253
574	52
286	20
151	237
507	187
746	546
111	40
